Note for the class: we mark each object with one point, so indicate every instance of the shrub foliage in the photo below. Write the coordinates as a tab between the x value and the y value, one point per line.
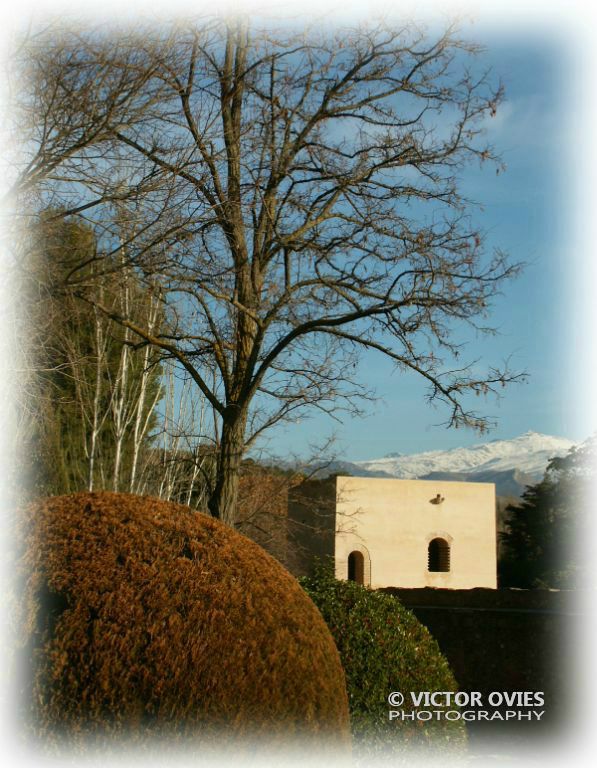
383	648
542	531
144	618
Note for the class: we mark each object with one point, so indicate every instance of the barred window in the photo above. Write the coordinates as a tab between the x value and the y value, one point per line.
438	556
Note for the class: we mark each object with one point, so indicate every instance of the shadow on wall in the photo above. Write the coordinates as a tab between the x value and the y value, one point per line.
311	524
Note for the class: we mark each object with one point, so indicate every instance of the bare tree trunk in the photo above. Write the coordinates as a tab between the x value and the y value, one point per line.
95	419
193	479
165	488
222	502
120	406
142	416
119	414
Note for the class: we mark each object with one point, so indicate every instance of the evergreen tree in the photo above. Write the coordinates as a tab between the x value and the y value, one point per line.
543	532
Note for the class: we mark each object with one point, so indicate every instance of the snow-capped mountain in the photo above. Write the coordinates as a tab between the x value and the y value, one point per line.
528	453
510	464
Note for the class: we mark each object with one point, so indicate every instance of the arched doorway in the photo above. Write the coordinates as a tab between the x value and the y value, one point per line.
356	567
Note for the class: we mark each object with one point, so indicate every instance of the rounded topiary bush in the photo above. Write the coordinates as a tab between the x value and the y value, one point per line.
384	648
145	618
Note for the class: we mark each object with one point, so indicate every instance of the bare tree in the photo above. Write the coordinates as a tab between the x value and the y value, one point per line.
306	207
64	118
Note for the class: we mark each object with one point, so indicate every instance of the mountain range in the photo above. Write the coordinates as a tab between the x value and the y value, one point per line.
510	464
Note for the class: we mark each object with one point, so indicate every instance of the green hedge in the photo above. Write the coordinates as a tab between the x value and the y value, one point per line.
384	648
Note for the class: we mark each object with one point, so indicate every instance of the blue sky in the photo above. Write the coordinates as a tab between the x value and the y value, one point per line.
525	211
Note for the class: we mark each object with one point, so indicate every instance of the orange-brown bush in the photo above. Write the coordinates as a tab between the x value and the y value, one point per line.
143	617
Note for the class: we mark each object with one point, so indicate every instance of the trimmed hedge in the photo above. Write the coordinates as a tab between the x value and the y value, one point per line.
145	618
384	648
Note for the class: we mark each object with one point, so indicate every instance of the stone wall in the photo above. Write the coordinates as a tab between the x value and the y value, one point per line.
506	640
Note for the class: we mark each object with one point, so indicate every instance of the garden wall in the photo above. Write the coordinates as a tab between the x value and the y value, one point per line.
506	640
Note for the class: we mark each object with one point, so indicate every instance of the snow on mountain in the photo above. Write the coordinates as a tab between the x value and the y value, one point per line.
528	454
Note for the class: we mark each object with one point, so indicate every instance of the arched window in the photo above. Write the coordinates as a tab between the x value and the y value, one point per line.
438	556
356	567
